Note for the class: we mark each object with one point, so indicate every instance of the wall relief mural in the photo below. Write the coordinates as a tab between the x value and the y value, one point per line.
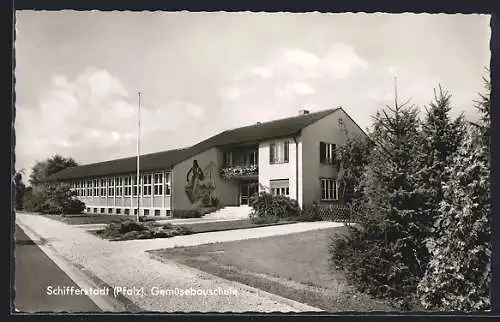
200	187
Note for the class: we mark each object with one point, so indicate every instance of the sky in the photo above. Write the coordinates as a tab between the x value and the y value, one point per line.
78	73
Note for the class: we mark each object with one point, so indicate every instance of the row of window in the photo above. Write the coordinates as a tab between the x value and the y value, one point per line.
126	211
329	188
150	184
279	152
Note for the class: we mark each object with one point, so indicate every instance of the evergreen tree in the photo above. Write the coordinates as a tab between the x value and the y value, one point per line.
459	276
440	138
383	256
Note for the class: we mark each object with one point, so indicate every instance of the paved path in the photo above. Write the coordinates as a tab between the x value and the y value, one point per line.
36	275
125	264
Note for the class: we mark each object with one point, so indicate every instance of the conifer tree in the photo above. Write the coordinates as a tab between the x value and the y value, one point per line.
383	256
459	276
440	138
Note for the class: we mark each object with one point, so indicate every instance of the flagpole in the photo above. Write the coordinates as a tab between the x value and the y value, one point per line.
138	153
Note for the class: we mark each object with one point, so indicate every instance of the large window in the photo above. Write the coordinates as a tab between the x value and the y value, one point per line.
146	180
327	152
128	186
329	189
279	152
96	187
280	187
103	188
119	187
167	183
158	184
228	158
134	183
89	188
111	187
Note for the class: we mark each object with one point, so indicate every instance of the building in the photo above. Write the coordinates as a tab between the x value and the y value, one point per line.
292	156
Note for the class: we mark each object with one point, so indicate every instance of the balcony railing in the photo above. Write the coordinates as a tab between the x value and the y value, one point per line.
239	171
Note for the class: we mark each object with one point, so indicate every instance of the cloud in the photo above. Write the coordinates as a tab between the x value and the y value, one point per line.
287	80
91	118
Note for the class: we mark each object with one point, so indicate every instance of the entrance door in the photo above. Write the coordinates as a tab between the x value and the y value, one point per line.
247	190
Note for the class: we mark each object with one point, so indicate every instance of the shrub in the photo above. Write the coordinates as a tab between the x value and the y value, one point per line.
147	219
132	230
273	208
73	206
311	213
53	199
127	226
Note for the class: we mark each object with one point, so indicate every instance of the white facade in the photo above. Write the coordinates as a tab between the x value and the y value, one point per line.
118	194
281	170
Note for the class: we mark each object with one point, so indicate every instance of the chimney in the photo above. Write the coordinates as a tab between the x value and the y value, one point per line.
303	112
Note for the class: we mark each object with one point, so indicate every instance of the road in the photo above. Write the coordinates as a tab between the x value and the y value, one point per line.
34	273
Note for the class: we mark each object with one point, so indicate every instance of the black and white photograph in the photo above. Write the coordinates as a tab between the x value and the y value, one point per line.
232	162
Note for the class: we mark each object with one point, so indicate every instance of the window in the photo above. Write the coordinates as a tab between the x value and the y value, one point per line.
279	152
119	187
89	188
111	187
167	183
95	210
327	152
103	188
127	211
102	210
96	188
134	180
118	211
88	209
157	212
110	210
158	184
83	190
146	212
228	158
253	158
280	187
128	186
329	189
146	179
135	212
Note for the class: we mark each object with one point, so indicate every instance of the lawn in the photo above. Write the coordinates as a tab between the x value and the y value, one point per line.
294	266
226	225
89	219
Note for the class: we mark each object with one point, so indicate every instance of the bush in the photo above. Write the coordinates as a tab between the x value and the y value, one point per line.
269	208
127	226
73	206
132	230
311	213
146	219
53	199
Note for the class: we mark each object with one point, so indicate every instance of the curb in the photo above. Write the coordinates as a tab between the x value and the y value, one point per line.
83	278
301	307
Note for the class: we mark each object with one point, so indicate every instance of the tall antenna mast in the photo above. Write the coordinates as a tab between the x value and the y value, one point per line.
138	154
396	91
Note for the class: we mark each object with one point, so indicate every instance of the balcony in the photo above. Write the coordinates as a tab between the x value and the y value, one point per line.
239	171
240	162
